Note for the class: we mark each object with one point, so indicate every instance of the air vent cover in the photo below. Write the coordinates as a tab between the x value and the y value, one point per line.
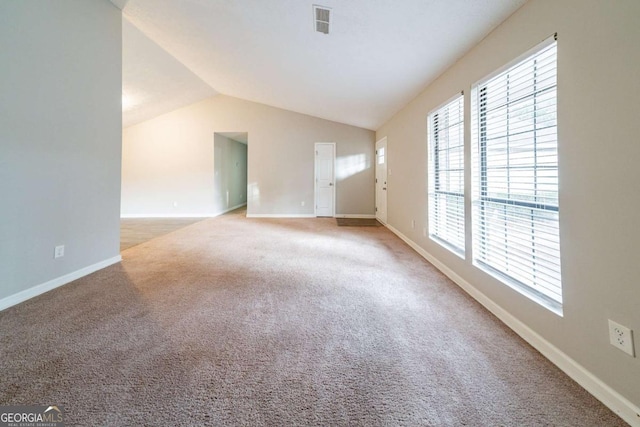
322	18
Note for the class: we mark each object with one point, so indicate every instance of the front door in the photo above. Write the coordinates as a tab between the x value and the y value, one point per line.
325	178
381	180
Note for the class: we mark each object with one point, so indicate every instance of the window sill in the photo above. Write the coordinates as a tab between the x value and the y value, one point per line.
543	300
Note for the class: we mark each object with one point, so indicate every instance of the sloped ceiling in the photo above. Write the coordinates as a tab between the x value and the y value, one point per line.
378	56
154	82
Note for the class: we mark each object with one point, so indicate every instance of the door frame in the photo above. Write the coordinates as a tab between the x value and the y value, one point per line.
315	178
381	141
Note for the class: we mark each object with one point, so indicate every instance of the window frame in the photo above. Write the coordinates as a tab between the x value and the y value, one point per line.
480	168
434	178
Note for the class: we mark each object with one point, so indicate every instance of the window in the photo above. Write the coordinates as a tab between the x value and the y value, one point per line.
515	179
446	175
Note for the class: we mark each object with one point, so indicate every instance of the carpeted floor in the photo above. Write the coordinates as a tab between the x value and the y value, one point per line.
236	321
134	231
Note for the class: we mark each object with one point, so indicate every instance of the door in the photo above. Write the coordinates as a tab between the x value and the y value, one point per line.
381	180
325	178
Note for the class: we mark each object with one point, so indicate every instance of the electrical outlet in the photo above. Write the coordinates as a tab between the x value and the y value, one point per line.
302	203
175	204
621	337
424	231
413	223
58	252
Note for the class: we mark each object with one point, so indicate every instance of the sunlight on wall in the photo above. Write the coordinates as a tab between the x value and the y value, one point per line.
350	165
129	102
253	194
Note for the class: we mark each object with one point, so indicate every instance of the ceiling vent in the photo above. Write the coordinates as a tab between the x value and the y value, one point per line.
321	18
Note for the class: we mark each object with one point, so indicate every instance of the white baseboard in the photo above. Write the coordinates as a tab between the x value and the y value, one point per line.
601	391
280	215
359	216
190	215
164	215
34	291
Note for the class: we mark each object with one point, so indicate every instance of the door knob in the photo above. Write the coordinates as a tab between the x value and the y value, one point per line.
331	183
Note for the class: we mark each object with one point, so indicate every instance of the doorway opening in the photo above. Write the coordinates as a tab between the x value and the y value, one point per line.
230	155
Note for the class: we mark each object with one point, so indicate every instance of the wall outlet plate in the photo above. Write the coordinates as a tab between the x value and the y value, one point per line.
58	252
621	337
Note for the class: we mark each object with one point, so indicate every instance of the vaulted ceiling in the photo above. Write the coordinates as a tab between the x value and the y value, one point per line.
378	56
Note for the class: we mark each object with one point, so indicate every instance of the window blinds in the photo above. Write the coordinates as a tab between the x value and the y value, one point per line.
446	175
515	189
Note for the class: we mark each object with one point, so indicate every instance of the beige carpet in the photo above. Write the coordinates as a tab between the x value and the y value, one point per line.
134	231
235	321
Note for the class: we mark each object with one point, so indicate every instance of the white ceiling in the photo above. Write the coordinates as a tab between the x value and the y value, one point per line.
154	82
380	53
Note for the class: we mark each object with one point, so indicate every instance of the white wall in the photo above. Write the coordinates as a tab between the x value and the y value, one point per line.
599	127
230	173
60	139
171	159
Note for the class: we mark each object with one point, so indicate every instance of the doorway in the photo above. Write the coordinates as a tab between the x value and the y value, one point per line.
381	180
325	189
229	171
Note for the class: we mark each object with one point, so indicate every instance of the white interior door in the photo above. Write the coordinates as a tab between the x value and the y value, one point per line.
381	180
325	178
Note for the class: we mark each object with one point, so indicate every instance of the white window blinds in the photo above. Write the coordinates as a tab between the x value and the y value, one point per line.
446	175
515	177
